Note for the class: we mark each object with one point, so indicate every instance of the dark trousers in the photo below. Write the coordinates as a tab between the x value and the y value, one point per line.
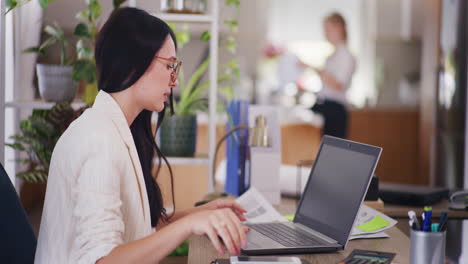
336	117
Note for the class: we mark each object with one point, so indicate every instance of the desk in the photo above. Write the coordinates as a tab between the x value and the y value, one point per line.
202	252
401	211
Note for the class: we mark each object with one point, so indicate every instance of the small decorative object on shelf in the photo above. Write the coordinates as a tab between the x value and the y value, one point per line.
55	80
179	135
184	6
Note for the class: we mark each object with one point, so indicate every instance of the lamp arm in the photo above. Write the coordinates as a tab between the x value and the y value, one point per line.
218	146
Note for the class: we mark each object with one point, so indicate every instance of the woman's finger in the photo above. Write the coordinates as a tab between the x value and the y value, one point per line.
211	233
233	228
221	228
231	204
239	230
240	215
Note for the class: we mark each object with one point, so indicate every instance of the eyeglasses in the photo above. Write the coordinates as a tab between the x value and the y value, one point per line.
174	66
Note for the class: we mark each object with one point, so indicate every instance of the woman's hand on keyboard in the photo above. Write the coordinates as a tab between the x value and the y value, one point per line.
220	223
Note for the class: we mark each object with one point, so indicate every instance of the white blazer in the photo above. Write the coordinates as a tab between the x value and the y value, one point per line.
341	65
96	196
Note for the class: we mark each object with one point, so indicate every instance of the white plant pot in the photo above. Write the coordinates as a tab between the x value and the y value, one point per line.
55	82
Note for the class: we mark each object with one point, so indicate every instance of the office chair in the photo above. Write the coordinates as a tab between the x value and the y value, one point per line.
17	240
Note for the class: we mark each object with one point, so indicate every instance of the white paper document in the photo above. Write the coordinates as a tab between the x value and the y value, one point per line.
372	219
258	208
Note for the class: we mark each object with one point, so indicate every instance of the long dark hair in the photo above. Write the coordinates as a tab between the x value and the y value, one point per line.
125	48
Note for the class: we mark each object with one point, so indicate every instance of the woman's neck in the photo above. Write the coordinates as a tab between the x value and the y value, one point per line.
338	43
128	106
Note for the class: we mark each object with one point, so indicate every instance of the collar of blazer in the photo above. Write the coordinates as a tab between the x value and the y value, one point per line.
107	105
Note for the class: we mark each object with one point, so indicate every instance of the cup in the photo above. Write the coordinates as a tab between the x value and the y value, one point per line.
427	247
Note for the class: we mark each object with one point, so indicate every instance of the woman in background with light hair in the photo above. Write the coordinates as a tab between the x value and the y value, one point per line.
336	78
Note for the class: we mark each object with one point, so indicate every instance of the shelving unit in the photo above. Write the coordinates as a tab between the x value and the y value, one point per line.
182	18
210	20
2	81
38	104
199	159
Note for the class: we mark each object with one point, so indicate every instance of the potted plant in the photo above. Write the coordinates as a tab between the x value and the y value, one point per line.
178	132
55	81
38	136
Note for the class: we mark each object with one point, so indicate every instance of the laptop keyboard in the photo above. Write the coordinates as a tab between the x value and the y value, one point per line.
285	235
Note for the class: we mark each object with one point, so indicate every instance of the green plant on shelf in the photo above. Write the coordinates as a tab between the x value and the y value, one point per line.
38	136
12	4
56	35
84	67
193	94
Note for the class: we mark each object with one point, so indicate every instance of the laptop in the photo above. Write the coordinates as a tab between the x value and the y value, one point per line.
328	208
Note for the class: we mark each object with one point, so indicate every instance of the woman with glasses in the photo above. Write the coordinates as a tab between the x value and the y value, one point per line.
102	204
336	78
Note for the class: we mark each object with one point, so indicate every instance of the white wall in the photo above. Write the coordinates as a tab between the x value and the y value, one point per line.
300	20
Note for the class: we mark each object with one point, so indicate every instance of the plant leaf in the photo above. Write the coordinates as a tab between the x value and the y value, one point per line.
10	5
43	3
84	70
182	37
49	42
82	15
51	31
33	176
83	52
235	3
233	68
205	36
231	45
95	9
61	115
81	30
196	76
38	50
232	24
17	146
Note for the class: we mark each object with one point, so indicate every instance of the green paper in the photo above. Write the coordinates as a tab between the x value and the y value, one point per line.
289	217
375	224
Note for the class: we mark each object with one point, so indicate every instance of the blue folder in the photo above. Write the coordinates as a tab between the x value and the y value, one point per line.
237	174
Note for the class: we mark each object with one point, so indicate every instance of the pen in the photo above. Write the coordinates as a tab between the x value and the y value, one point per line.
413	220
443	221
427	218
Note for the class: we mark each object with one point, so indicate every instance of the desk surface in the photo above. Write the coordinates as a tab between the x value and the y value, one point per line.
202	252
401	211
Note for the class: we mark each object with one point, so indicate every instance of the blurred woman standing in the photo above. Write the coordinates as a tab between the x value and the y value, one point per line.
336	78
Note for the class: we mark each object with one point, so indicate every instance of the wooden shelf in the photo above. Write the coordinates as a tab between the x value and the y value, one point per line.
199	159
38	104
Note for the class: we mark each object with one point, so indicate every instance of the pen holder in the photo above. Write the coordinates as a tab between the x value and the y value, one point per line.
427	247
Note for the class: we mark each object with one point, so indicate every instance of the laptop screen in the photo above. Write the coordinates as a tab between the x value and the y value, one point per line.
336	187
